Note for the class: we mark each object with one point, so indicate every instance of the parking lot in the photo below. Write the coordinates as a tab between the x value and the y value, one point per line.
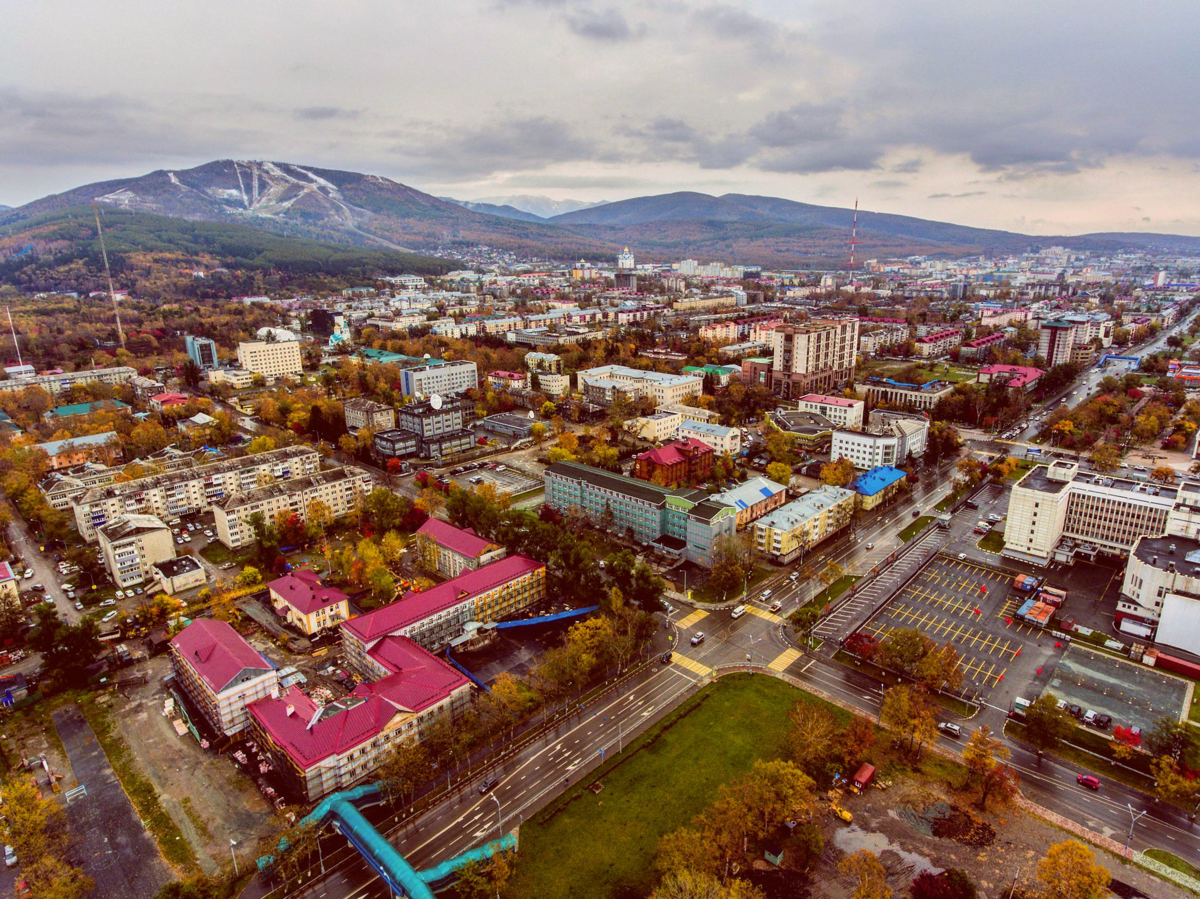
507	481
967	605
1133	695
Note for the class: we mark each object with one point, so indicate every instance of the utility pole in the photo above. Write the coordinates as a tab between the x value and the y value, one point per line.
112	294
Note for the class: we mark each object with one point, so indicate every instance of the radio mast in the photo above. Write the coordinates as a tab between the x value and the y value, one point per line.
853	240
112	294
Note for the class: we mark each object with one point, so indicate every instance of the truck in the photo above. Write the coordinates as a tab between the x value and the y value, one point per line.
943	520
862	778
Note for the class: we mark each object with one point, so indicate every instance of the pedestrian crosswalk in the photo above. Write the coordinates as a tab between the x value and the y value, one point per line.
691	620
690	664
784	660
769	616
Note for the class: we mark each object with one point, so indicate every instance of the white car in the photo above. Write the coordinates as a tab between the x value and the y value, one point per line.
110	616
66	588
120	594
107	603
738	612
28	573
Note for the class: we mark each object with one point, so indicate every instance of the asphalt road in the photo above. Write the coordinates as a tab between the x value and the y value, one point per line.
26	546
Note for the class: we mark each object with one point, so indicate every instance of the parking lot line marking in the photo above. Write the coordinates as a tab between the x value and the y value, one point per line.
761	613
784	660
690	664
692	619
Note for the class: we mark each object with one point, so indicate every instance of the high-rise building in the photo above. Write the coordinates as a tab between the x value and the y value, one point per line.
202	351
814	356
1056	340
271	358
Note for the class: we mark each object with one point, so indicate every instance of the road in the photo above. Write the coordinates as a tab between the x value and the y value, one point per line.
25	545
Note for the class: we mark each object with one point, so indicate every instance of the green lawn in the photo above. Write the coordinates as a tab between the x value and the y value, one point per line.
1174	861
1023	465
915	528
836	589
705	594
586	846
218	553
993	542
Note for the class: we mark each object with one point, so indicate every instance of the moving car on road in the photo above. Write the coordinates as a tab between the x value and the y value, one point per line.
950	730
738	612
1087	780
697	638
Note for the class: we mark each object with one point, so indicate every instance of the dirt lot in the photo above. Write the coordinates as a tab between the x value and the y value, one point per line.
206	796
913	828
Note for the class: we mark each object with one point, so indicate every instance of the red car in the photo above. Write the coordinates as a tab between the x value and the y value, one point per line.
1086	780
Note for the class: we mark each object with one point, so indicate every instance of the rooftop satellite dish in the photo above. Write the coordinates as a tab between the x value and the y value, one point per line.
531	415
435	401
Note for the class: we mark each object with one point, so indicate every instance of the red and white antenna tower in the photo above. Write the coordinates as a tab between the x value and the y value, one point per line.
853	240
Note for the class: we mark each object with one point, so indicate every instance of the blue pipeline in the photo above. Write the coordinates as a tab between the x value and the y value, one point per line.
401	878
546	619
472	678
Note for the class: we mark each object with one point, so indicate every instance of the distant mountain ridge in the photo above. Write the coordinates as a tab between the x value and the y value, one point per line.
335	206
542	207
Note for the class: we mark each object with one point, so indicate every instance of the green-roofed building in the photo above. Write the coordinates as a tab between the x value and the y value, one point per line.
84	408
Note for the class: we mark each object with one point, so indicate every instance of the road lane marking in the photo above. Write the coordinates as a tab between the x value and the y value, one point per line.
759	613
690	664
692	619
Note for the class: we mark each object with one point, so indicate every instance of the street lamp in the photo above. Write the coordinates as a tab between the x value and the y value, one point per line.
1133	819
499	814
232	843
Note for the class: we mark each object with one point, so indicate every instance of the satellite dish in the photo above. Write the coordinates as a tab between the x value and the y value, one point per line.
435	401
426	356
531	415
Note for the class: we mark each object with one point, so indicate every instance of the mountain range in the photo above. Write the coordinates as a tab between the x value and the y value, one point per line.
341	207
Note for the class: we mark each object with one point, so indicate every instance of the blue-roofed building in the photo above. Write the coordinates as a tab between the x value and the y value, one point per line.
77	450
877	486
753	499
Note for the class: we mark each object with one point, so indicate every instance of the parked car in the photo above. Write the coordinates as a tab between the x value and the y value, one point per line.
1087	780
1075	711
10	856
38	588
950	730
107	603
697	638
120	594
1103	721
28	573
78	607
994	518
961	556
110	616
1089	717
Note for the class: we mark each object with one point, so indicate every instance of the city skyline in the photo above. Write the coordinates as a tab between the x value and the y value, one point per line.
1030	119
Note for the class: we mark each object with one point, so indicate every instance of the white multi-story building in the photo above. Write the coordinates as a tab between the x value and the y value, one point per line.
237	378
842	411
938	343
720	438
902	396
797	527
340	490
132	545
872	342
664	389
890	439
1056	340
221	673
190	491
363	413
64	381
436	376
271	359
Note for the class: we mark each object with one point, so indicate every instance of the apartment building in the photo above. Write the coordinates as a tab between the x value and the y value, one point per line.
74	451
202	352
450	551
1057	513
800	525
435	377
132	545
679	522
339	490
922	397
543	362
320	749
62	487
435	617
1056	340
842	411
938	343
236	378
364	413
658	427
722	439
1020	378
815	356
719	332
271	359
876	486
304	602
189	491
60	382
871	342
980	347
607	381
753	499
220	673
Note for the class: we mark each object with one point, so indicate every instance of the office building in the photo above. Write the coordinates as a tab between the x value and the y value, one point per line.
430	428
842	411
339	490
189	491
363	413
817	356
813	432
679	522
896	395
236	378
794	529
602	385
220	673
450	551
132	545
202	351
891	438
434	377
271	359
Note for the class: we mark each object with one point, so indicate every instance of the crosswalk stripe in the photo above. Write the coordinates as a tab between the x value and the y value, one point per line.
784	660
694	618
770	616
690	664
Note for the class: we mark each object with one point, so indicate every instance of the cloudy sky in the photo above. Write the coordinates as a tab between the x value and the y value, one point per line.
1043	116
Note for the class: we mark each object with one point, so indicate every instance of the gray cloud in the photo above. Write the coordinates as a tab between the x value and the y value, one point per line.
601	25
325	113
969	193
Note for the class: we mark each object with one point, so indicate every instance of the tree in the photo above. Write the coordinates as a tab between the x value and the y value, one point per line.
949	884
685	884
855	741
904	648
249	577
1069	870
430	501
404	769
780	473
870	876
812	734
384	509
1163	474
317	518
34	826
1046	725
838	473
1168	738
484	879
1171	782
67	650
1106	457
261	444
984	757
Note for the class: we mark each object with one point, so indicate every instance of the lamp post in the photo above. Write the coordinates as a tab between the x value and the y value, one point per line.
232	843
1133	819
499	814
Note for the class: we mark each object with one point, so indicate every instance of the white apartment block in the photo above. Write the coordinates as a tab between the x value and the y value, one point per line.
865	451
189	491
938	343
132	545
872	342
719	437
237	378
271	359
438	377
657	428
60	383
339	489
1056	339
721	332
842	411
550	383
664	389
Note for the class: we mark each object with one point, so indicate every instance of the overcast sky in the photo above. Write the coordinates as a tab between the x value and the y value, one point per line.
1033	115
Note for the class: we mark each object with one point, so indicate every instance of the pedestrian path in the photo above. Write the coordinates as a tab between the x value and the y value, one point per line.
769	616
690	664
691	620
784	660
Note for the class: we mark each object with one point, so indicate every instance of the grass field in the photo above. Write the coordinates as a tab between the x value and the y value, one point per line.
836	589
1174	861
915	528
705	594
993	542
601	846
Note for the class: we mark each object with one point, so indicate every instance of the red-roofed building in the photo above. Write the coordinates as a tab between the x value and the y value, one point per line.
161	401
449	550
438	615
221	673
10	593
681	462
938	343
322	749
506	380
306	603
842	411
1014	377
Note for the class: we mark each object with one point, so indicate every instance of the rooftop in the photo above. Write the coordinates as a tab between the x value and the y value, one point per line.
219	654
289	486
1162	551
6	572
706	427
84	408
414	607
801	422
54	447
619	483
178	566
303	591
755	490
463	541
131	525
679	451
871	482
801	510
830	400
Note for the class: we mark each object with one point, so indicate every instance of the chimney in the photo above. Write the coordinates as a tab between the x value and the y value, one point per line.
275	691
291	710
